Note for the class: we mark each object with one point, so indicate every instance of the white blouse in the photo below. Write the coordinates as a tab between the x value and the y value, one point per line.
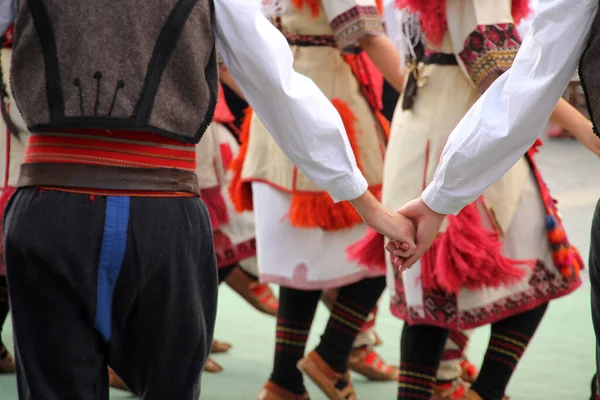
508	118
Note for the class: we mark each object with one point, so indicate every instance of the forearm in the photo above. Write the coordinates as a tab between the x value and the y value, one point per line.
569	118
385	56
227	79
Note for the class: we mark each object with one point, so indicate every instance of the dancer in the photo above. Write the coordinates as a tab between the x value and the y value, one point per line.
106	239
13	153
290	209
519	103
497	262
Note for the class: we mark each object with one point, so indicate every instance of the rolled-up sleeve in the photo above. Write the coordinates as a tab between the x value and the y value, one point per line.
508	118
300	118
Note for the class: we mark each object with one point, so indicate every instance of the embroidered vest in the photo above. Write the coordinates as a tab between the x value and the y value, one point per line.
134	65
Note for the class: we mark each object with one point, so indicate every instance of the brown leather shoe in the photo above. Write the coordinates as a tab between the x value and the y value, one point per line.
366	362
272	391
258	295
220	347
115	382
335	385
212	366
7	362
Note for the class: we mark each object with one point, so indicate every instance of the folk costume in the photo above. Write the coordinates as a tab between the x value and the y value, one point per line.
12	153
114	121
519	103
505	255
301	233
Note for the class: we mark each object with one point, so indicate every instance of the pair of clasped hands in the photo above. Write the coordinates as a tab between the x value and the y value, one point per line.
411	230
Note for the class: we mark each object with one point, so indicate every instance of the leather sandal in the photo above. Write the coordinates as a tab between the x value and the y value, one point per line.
258	295
469	371
7	362
450	390
272	391
366	362
336	386
220	347
212	366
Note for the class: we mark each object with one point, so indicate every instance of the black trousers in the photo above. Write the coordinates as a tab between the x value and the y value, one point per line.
94	280
595	279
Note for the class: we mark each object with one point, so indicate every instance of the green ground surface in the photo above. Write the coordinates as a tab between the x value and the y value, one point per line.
557	366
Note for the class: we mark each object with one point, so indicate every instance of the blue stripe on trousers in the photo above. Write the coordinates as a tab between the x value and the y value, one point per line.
114	243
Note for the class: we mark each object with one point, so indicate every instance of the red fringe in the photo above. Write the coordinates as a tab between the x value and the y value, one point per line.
349	119
317	210
369	251
241	192
314	5
217	210
468	256
433	15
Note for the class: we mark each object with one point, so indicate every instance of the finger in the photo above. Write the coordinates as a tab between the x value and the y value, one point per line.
391	247
410	261
398	262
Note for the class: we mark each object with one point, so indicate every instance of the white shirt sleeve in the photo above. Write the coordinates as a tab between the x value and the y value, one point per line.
507	119
8	11
300	118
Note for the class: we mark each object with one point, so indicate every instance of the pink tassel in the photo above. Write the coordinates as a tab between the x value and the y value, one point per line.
468	256
217	209
369	251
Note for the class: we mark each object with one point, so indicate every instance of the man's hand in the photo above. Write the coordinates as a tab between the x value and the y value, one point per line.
399	229
428	223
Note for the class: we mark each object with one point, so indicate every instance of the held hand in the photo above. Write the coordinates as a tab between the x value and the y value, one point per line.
428	223
399	229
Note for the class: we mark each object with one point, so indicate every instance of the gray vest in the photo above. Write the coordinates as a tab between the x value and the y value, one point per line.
133	65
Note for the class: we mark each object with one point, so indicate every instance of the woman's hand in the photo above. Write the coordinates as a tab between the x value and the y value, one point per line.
399	229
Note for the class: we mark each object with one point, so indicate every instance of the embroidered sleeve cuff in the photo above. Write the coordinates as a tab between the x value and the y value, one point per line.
355	23
490	51
440	203
347	188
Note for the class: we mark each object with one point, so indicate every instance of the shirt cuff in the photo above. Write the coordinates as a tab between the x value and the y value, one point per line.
439	203
348	187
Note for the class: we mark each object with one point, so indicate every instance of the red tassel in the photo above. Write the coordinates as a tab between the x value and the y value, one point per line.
315	8
217	209
369	251
468	256
520	10
241	192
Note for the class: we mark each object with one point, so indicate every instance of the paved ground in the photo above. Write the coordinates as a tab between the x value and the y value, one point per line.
557	366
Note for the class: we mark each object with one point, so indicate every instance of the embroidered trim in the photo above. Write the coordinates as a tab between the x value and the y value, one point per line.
490	51
440	309
355	23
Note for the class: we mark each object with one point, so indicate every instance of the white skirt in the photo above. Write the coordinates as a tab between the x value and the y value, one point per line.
308	259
